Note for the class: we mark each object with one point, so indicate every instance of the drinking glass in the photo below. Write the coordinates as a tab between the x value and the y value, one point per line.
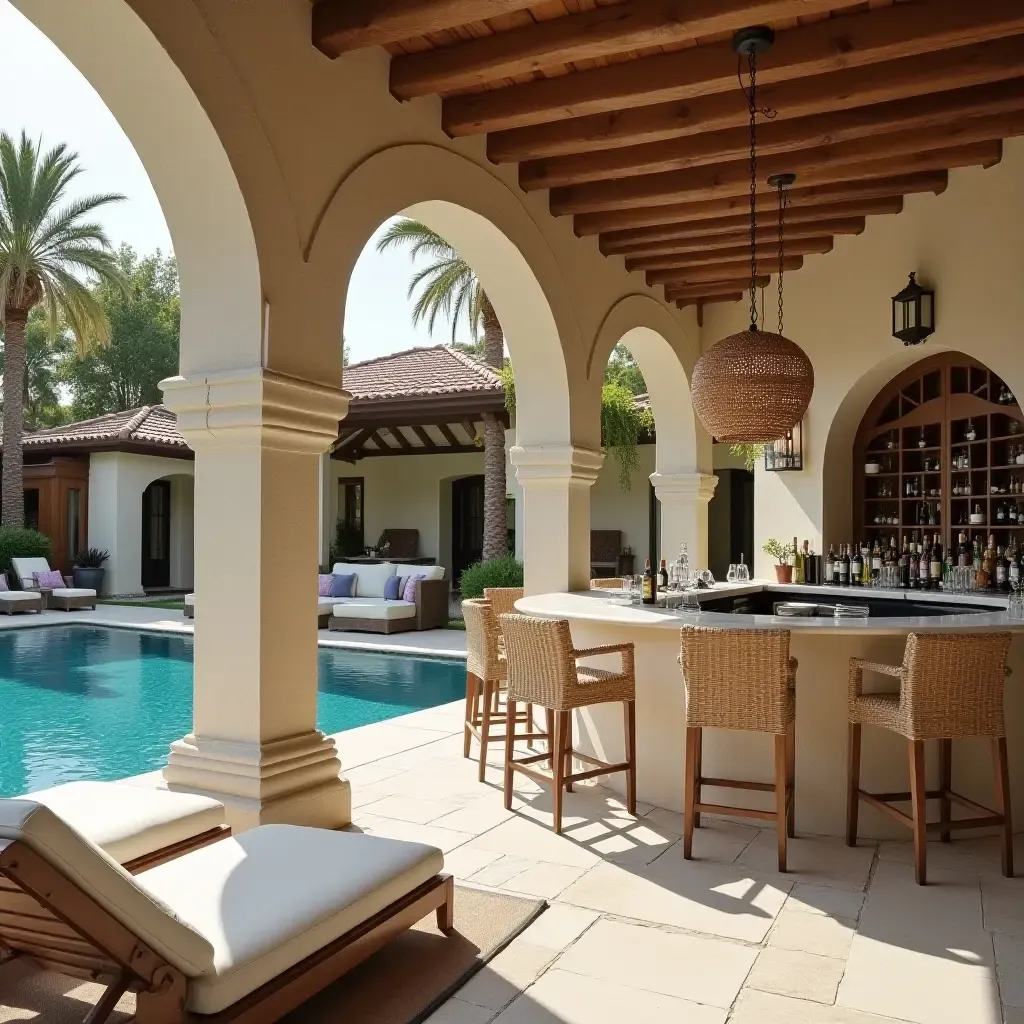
742	573
730	576
636	589
1015	606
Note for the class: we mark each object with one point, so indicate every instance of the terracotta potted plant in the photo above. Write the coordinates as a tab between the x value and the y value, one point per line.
782	553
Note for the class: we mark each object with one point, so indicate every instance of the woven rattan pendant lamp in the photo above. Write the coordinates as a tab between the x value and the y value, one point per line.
752	387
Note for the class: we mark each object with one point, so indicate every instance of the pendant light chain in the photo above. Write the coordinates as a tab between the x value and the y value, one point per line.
783	203
752	97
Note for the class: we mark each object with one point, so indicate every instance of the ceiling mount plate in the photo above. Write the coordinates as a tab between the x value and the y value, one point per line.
756	39
782	180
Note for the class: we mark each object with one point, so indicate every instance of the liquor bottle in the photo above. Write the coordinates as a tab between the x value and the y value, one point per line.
798	563
1011	513
663	575
922	514
976	557
876	560
830	565
1013	571
988	565
924	556
844	567
935	566
1000	514
915	568
963	552
856	567
649	593
1002	572
811	565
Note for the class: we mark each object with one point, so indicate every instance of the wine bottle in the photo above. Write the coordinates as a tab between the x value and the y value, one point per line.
663	575
876	560
924	556
844	567
798	563
1013	570
856	567
963	552
650	587
1002	572
915	567
905	565
935	566
830	565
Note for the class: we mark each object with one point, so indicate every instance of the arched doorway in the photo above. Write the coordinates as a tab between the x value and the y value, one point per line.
166	534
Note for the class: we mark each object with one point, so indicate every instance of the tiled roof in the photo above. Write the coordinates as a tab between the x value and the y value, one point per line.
150	425
418	372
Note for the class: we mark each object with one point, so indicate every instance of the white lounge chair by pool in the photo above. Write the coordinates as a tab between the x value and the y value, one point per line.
68	597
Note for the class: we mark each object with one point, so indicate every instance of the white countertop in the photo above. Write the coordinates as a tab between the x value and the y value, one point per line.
599	607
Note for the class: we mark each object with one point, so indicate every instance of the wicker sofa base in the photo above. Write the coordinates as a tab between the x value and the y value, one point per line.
19	607
385	626
71	604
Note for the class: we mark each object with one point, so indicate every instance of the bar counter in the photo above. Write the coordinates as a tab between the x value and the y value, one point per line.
823	646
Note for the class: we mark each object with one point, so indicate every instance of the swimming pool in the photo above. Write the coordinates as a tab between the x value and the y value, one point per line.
79	702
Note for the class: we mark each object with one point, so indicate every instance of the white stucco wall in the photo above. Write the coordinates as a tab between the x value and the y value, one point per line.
116	483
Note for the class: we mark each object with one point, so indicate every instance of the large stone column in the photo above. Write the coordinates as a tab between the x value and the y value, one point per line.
556	482
254	745
684	501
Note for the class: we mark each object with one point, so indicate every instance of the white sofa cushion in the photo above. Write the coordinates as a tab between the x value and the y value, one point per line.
376	608
17	596
106	882
370	579
430	572
313	886
128	822
190	600
72	592
325	605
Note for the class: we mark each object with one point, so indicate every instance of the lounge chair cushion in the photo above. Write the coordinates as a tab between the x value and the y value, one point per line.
106	882
325	605
190	600
17	596
274	895
72	592
370	579
376	608
25	569
128	822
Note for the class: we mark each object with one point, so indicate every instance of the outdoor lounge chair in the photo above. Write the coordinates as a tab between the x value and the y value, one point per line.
137	826
16	601
189	610
68	598
244	930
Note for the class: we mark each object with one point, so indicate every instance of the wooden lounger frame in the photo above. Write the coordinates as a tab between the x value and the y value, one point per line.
179	849
49	920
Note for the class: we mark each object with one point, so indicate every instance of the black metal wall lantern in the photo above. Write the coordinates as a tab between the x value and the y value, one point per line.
786	454
913	313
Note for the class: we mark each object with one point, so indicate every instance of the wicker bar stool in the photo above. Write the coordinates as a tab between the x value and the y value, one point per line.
543	669
503	601
739	679
951	687
486	673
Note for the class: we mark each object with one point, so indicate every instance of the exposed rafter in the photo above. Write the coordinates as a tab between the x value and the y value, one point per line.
736	272
707	300
764	250
692	292
889	34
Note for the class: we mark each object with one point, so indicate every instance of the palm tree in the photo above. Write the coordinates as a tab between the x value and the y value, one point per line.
45	243
448	288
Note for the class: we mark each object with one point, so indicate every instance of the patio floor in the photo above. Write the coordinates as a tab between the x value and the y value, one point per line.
634	932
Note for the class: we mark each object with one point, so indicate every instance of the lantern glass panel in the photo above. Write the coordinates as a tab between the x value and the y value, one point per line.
927	310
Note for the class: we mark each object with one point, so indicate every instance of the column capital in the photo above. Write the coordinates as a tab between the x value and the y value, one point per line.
255	407
684	487
556	465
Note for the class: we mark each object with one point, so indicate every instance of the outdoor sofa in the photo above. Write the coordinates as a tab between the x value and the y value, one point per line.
243	930
369	611
69	597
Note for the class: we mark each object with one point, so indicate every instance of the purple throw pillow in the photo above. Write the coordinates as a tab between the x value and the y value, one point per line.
392	588
342	586
51	580
325	585
409	593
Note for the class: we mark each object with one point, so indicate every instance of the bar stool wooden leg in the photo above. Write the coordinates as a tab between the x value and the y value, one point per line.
549	716
471	692
791	780
945	785
781	816
558	769
698	754
918	806
629	708
510	722
485	727
568	749
852	782
1003	802
690	790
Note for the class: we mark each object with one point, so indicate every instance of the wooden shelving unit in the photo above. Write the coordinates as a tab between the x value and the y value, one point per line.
939	414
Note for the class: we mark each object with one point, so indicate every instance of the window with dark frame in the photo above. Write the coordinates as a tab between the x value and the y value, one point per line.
350	505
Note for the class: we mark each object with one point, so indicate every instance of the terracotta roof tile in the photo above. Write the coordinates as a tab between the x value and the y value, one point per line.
153	424
437	370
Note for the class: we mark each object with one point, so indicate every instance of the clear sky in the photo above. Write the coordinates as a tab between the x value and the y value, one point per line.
47	96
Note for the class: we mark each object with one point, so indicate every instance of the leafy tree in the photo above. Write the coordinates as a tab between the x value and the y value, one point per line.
144	325
622	369
41	397
47	251
448	289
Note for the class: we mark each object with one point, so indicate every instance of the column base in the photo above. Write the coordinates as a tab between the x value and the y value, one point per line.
294	781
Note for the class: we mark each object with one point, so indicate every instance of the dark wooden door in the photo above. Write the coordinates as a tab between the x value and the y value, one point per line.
156	535
467	523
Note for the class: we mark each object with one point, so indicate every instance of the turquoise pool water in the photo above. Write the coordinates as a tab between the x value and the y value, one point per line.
83	703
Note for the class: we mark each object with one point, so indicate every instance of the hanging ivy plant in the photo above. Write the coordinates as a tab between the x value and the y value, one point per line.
749	453
623	424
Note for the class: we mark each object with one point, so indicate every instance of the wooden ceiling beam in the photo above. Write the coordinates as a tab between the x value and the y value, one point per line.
403	441
765	250
429	444
886	155
937	112
799	197
735	272
673	292
342	25
448	435
589	35
712	243
707	300
945	70
871	37
799	218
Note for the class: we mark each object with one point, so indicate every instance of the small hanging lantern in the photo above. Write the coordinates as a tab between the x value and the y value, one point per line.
913	313
753	387
786	454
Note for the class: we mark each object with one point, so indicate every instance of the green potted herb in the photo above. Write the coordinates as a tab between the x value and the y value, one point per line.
782	553
88	571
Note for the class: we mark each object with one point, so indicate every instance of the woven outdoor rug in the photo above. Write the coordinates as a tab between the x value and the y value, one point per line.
401	984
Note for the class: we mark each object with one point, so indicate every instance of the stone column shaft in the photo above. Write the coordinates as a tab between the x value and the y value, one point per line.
684	501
